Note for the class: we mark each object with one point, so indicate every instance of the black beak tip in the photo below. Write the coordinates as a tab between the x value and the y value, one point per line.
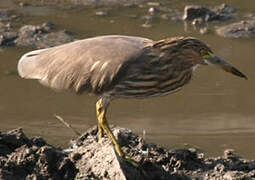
238	73
245	77
242	75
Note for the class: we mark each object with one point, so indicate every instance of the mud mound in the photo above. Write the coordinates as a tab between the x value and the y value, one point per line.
32	158
24	158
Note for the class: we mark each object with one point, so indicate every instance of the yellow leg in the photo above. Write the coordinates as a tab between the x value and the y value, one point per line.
101	108
103	127
100	132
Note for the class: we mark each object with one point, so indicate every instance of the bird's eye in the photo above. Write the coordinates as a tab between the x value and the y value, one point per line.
205	54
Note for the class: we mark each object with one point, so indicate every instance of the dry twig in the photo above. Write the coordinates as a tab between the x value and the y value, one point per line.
67	124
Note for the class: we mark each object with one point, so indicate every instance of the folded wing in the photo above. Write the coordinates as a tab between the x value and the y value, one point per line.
90	64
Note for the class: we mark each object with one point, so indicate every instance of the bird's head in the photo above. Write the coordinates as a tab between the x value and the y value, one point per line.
209	58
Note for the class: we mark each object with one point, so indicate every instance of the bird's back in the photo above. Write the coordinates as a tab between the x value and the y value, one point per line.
90	64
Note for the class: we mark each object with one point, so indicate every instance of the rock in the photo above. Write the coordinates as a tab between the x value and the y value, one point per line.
146	25
54	39
249	16
11	140
218	13
24	158
22	4
32	158
192	12
101	13
234	175
155	161
224	12
64	3
41	36
224	9
229	154
238	30
91	153
153	3
7	34
5	15
103	2
7	38
47	26
91	165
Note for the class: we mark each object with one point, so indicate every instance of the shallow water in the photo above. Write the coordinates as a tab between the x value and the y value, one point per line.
214	112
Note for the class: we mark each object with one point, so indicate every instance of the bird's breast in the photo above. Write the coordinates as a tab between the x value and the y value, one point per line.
151	84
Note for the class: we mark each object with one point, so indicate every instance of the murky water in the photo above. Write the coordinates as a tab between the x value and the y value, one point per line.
215	111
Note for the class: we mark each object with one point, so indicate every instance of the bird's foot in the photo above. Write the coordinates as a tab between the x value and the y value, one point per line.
131	161
136	165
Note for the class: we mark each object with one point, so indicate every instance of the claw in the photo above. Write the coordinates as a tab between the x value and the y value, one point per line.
131	161
136	165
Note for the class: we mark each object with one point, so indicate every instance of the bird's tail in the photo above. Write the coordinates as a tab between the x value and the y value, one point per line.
28	64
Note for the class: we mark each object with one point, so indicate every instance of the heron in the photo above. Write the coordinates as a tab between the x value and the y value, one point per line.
118	66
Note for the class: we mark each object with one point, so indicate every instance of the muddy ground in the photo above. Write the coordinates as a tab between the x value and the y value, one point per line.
33	158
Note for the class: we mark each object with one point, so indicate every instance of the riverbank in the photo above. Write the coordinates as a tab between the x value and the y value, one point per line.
33	158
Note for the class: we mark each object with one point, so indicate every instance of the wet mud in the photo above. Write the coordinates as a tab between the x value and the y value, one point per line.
86	158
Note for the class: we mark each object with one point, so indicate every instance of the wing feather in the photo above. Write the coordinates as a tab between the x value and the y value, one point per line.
90	64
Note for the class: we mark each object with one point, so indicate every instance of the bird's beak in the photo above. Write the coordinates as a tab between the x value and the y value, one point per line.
215	60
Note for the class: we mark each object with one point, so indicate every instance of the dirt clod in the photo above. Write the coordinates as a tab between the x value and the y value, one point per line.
222	12
240	29
32	158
